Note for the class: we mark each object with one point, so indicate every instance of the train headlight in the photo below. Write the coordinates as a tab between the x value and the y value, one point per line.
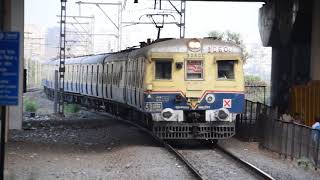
210	98
194	45
223	114
167	114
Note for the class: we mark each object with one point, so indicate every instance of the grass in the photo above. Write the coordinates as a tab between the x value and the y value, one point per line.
71	108
304	163
30	105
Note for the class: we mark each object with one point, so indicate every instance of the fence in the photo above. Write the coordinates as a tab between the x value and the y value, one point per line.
292	140
249	124
257	93
305	100
260	122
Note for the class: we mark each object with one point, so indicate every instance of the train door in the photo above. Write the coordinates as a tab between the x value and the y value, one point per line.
81	79
130	83
121	83
86	79
119	69
94	80
125	75
111	83
107	81
77	78
135	82
115	89
97	81
71	83
91	81
141	82
103	89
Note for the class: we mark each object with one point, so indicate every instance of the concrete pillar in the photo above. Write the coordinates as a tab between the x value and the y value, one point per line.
315	42
281	76
14	21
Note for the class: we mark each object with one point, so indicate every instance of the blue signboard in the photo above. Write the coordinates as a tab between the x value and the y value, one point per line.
9	68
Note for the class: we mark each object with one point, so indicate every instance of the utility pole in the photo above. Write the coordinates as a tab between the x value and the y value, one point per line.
182	14
182	19
83	28
62	56
117	24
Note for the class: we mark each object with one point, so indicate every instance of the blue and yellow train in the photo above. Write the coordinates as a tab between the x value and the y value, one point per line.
180	88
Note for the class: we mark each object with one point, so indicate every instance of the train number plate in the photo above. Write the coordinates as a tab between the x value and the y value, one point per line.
153	106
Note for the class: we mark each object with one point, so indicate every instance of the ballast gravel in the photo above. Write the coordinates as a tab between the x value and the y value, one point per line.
84	146
87	149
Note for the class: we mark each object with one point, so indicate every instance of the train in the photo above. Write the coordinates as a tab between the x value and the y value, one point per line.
191	88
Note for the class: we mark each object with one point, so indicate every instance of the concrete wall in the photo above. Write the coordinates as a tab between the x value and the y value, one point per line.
14	21
315	42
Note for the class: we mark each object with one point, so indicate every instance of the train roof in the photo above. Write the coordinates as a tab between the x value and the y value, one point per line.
94	59
180	45
208	45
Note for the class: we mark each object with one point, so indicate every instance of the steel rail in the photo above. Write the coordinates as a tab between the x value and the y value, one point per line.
248	165
191	168
194	170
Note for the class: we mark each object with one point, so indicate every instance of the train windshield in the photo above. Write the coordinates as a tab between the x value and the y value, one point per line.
226	69
194	69
163	69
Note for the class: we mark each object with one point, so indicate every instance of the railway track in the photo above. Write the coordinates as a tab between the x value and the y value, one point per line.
246	164
251	169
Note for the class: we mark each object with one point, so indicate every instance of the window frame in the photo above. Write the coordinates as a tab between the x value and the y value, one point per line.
203	69
155	60
235	60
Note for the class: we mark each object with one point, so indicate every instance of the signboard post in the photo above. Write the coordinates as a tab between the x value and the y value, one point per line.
9	82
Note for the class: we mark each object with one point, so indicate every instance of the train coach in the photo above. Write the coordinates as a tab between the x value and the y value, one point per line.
183	88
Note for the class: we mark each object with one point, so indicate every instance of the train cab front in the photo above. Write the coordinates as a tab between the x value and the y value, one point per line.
182	117
194	90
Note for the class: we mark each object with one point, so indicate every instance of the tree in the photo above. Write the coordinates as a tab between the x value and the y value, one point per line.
233	37
251	80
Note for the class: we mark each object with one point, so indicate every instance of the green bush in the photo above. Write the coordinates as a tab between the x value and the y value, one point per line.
71	108
30	105
304	162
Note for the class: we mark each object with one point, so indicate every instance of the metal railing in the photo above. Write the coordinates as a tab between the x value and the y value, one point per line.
292	140
260	122
257	93
248	124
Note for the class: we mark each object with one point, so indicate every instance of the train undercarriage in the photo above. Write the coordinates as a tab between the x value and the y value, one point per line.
164	130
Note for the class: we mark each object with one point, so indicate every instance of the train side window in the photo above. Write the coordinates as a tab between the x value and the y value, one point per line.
163	69
194	69
226	69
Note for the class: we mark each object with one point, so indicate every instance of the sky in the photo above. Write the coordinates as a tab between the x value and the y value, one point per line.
201	18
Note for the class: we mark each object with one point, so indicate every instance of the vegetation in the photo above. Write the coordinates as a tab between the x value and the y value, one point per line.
30	105
71	108
257	90
233	37
304	162
251	80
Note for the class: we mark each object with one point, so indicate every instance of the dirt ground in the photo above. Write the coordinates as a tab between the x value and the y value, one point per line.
84	146
278	168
